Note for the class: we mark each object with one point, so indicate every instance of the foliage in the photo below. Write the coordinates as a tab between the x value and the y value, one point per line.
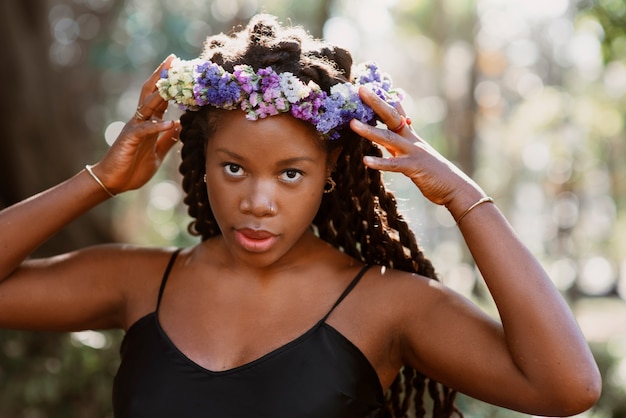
611	15
527	96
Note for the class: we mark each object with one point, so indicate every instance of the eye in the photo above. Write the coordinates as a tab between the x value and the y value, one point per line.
291	176
234	170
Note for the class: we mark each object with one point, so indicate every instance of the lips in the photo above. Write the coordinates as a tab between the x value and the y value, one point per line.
256	234
255	240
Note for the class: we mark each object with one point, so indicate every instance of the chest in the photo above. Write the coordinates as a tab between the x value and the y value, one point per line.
220	326
318	374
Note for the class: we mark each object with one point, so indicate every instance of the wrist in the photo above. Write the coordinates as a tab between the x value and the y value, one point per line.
89	169
479	202
460	204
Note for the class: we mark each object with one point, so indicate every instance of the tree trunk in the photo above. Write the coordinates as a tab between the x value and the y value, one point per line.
43	115
45	140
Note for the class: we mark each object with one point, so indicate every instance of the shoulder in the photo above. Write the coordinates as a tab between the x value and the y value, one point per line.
110	260
103	286
388	296
405	297
132	272
377	315
400	286
138	272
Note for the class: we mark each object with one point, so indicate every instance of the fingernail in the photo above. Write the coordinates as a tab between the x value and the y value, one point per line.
367	90
358	123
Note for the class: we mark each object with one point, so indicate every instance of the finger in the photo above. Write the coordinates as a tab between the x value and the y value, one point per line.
150	128
390	115
392	142
160	110
148	101
150	85
395	164
152	105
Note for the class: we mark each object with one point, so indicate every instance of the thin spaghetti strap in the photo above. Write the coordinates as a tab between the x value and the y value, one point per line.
345	293
166	274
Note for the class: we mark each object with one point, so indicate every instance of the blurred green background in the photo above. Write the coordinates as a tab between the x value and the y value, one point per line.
529	97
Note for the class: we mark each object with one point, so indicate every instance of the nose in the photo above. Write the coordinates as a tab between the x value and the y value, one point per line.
259	200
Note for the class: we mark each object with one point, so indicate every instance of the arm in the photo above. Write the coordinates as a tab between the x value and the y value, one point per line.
129	163
536	360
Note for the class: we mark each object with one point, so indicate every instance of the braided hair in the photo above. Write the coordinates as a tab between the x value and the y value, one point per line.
360	218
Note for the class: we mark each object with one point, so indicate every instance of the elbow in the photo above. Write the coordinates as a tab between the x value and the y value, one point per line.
578	395
588	393
583	401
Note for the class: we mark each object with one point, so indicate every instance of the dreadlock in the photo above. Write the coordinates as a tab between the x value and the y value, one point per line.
378	235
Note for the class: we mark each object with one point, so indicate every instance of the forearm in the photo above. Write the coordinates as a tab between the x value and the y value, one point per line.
28	224
542	336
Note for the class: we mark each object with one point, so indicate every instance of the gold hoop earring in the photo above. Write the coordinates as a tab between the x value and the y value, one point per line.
330	185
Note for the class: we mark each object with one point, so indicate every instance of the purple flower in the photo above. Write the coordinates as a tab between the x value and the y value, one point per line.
247	78
267	109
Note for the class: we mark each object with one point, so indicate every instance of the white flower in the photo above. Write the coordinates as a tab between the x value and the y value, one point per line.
342	89
293	89
173	91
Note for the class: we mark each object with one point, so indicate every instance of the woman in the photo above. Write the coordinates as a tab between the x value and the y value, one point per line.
308	295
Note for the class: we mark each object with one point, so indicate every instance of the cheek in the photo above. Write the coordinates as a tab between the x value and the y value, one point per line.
303	206
221	198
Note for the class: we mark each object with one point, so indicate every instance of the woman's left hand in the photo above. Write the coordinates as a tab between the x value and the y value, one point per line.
438	179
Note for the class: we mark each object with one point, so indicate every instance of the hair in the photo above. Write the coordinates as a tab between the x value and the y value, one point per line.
360	217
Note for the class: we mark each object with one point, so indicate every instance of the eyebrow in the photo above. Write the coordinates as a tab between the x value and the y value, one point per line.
286	161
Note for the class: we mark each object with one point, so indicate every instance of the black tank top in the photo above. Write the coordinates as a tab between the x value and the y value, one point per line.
319	374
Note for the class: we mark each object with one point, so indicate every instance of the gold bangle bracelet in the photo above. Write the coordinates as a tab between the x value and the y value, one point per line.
468	210
92	174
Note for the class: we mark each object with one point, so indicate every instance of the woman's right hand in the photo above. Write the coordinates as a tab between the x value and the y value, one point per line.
144	141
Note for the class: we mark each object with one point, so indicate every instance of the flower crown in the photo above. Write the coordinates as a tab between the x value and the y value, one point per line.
196	83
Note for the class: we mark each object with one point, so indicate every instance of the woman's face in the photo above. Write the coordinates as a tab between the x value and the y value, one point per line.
265	181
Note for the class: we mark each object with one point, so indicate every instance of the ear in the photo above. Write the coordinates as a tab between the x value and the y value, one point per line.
332	159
